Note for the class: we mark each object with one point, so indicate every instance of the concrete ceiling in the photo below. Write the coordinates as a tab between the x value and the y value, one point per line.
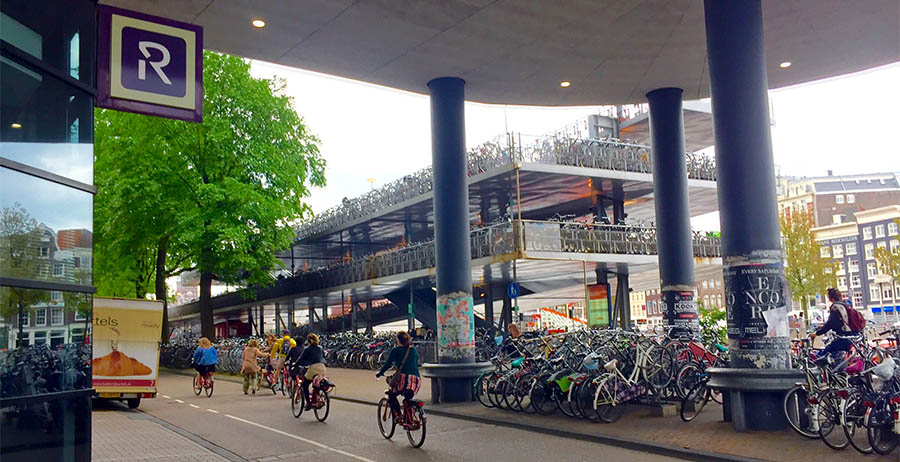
517	51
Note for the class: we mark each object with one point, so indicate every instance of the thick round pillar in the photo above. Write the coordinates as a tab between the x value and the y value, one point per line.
757	294
673	211
456	368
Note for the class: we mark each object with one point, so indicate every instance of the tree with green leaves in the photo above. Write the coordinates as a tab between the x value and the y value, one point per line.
807	272
20	257
889	260
219	196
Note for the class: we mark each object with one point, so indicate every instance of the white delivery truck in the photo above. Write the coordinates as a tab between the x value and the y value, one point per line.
126	338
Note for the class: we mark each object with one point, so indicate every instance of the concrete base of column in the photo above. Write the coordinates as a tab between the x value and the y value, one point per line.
454	383
754	398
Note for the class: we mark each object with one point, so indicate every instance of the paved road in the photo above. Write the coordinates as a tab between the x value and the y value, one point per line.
261	428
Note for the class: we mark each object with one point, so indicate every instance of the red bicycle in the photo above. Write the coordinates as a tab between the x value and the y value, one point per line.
412	419
319	401
204	382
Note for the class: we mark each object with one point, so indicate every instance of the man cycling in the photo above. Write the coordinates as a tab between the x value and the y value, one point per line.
839	323
280	351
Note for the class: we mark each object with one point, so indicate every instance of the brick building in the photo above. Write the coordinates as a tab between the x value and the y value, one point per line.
708	293
834	199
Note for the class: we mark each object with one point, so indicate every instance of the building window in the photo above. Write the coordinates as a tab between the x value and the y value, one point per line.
838	250
854	266
879	231
893	229
839	198
718	283
40	317
870	252
25	319
825	252
895	244
887	293
851	198
40	337
872	270
851	248
857	298
874	294
56	296
842	283
56	317
855	282
881	245
705	284
45	252
57	338
840	267
79	316
57	269
867	232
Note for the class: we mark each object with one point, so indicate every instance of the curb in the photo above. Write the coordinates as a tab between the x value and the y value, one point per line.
617	441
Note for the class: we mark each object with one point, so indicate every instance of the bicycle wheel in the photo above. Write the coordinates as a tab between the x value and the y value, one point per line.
830	430
283	384
686	378
386	424
854	413
297	403
198	386
609	409
659	369
415	429
540	397
694	401
523	395
879	424
209	387
799	412
481	389
323	406
585	401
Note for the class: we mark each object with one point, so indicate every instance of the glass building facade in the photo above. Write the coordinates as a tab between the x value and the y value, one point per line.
47	89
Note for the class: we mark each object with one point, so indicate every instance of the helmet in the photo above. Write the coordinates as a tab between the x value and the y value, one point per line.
285	332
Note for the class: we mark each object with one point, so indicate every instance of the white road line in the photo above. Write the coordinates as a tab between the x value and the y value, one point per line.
167	397
179	401
194	406
213	411
298	438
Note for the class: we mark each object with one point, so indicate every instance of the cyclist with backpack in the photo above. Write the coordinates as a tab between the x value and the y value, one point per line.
843	321
280	351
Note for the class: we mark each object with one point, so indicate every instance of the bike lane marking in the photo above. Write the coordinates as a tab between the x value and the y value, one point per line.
167	397
179	401
213	411
194	406
298	438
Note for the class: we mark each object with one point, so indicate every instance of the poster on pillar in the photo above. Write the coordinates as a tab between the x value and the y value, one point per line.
456	327
598	305
681	312
758	302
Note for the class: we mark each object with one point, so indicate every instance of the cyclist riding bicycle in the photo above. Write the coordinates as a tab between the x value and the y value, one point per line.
314	363
280	350
249	367
293	361
407	380
839	323
205	358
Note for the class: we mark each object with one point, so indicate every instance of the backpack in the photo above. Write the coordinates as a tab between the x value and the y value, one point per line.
852	318
285	347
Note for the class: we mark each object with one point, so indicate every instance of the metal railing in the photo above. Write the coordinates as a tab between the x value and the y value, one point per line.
505	150
500	239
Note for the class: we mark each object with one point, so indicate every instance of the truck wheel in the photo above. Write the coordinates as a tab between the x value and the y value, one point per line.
133	403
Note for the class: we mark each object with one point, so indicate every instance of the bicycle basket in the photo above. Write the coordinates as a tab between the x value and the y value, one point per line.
518	362
590	362
885	370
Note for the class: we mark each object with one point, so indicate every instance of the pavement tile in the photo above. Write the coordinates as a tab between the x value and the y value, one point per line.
118	437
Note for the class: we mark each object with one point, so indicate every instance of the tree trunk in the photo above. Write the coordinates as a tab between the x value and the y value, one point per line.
206	315
161	293
804	303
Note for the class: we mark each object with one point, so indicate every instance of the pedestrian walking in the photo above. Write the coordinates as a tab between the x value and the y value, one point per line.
250	366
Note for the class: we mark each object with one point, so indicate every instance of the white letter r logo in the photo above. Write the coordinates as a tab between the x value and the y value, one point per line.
157	66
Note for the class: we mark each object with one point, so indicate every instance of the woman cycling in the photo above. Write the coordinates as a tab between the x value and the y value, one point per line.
407	380
249	367
314	363
205	358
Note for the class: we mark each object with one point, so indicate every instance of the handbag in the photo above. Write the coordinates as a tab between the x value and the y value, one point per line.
394	379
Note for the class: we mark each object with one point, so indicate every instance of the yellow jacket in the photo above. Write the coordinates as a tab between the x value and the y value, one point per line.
276	348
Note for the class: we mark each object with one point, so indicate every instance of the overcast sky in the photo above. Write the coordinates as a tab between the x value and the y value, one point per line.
848	124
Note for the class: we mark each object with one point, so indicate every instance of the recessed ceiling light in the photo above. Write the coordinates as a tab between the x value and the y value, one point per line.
16	125
565	84
258	23
785	65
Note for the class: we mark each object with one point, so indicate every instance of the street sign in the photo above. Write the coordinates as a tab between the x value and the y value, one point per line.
513	290
149	65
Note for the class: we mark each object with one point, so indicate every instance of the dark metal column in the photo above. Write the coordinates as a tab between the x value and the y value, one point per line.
278	326
673	210
756	291
453	272
411	310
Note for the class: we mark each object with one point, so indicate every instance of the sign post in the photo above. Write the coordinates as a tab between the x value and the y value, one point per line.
149	65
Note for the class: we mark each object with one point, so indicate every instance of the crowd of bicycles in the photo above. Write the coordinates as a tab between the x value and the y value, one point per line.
849	399
596	374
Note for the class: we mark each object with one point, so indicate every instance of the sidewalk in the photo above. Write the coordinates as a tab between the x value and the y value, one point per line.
123	435
705	438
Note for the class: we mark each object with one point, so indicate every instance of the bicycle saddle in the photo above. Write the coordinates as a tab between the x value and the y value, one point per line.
610	365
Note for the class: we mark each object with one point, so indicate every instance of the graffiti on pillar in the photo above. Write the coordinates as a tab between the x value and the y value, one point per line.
758	301
456	326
